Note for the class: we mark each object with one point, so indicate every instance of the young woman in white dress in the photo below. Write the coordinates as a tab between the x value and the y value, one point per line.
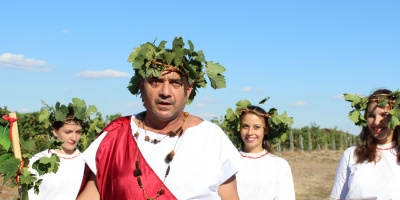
64	184
263	175
371	170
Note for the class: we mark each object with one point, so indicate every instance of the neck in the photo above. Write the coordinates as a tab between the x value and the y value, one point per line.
162	126
64	151
253	150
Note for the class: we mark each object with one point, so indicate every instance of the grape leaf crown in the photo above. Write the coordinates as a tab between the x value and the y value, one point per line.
392	100
59	113
150	60
278	124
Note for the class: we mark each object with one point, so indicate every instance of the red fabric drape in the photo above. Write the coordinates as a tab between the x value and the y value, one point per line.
115	162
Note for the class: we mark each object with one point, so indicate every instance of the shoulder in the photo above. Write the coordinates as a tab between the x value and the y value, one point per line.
349	151
281	162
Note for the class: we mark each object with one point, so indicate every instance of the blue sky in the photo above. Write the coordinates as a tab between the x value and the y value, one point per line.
302	54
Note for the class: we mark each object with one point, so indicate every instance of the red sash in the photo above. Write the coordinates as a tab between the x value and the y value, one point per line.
115	162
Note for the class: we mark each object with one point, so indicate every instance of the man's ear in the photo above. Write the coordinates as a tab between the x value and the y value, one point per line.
189	91
141	84
54	132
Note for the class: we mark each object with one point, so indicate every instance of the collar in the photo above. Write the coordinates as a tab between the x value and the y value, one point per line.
386	146
254	155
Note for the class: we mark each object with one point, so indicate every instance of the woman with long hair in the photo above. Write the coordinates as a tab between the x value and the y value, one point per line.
263	175
371	170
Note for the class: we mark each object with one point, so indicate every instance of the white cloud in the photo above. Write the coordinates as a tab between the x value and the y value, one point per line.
207	100
65	31
207	115
200	105
339	96
300	103
69	89
17	61
23	110
109	73
133	104
245	89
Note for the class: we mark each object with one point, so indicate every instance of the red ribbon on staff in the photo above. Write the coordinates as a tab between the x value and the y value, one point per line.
11	120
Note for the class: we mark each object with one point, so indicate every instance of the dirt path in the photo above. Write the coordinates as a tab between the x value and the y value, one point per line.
313	174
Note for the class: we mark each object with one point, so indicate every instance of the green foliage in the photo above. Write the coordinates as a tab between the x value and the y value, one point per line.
360	104
278	123
151	60
10	168
5	138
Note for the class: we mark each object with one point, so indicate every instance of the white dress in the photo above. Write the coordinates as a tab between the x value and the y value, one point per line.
204	159
64	184
264	176
368	180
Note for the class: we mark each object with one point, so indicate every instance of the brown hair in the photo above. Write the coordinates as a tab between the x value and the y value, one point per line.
366	150
254	110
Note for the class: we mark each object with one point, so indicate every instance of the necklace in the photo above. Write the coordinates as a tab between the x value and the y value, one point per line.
138	172
170	134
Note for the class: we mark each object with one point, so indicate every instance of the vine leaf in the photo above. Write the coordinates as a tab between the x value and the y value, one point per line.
47	164
5	138
214	73
10	168
4	157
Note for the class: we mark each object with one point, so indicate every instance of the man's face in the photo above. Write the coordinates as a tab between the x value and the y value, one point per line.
165	96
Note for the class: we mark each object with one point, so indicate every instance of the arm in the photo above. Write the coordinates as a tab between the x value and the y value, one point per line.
285	186
90	191
340	185
228	190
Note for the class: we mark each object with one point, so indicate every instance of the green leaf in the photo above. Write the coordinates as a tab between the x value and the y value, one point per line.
214	73
394	121
169	56
4	157
10	168
242	104
383	102
28	145
132	57
44	115
354	116
46	164
5	138
263	101
37	184
78	103
27	177
61	112
91	110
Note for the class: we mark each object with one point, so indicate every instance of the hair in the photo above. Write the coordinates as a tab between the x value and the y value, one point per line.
366	150
254	110
70	119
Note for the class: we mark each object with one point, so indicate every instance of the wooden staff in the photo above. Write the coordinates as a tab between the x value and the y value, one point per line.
15	138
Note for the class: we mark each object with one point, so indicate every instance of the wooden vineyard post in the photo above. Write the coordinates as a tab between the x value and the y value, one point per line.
317	141
309	141
15	138
291	141
341	141
15	144
301	144
326	141
333	142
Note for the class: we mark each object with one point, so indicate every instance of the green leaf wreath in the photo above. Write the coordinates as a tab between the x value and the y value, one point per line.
151	60
278	124
360	104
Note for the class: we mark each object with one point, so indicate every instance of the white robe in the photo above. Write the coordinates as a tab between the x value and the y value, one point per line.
64	184
204	159
368	180
265	176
